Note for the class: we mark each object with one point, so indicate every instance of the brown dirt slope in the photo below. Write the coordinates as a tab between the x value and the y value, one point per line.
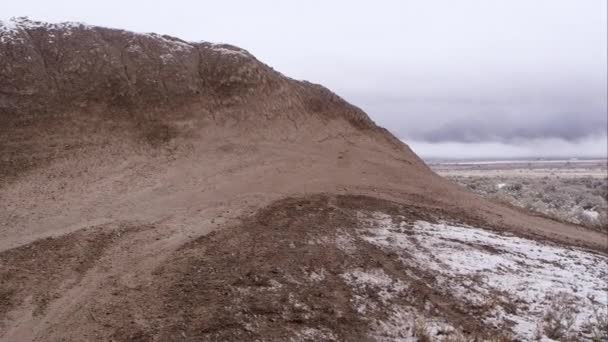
103	128
274	276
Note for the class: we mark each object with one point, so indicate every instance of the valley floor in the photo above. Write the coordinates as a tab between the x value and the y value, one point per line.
572	191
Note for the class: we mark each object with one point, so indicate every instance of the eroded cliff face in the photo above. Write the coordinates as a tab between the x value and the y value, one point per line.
46	68
72	84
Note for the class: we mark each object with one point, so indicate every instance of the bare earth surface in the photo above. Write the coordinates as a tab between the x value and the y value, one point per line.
153	189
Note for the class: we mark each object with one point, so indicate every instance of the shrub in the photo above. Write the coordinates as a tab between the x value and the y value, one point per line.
559	318
422	331
598	326
515	187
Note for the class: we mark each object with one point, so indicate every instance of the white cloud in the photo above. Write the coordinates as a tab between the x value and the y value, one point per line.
596	147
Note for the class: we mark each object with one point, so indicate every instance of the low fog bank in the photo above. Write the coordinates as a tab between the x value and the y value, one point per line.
589	147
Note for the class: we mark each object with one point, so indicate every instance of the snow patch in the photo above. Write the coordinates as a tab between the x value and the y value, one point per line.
491	266
167	58
135	48
317	276
9	30
229	52
225	49
385	286
170	43
591	214
28	24
312	334
345	242
7	25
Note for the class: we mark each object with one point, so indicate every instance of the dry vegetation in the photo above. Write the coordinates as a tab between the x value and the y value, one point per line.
581	200
559	319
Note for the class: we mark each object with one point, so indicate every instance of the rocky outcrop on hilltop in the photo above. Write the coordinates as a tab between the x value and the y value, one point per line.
46	68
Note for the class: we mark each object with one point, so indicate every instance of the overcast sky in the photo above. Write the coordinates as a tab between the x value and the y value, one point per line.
453	78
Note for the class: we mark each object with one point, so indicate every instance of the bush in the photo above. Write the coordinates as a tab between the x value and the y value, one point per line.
422	331
598	326
514	187
559	317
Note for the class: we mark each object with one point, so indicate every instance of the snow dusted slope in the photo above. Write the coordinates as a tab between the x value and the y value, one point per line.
534	289
318	268
9	30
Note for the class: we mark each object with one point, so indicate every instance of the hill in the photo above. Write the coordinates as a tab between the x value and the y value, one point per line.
158	189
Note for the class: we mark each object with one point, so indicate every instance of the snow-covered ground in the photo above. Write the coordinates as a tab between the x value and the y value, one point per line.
523	283
10	31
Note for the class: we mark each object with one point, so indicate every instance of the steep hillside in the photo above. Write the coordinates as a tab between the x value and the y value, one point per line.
76	78
121	152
